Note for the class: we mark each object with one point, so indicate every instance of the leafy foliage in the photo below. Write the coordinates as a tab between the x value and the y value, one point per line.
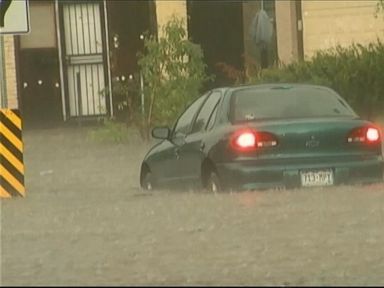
173	71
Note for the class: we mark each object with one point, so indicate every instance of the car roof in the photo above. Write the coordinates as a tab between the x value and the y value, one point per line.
278	86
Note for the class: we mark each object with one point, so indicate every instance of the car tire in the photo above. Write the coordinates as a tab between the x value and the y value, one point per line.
148	183
213	183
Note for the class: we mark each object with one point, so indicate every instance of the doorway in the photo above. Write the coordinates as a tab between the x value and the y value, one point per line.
218	27
40	91
38	65
84	58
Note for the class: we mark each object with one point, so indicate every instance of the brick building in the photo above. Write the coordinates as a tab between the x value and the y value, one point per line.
9	88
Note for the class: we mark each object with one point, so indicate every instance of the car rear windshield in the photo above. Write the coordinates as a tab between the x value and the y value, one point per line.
298	102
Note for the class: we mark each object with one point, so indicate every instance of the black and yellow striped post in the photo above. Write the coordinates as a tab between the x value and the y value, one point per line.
11	154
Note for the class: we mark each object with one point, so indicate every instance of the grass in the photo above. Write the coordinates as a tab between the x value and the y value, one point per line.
114	132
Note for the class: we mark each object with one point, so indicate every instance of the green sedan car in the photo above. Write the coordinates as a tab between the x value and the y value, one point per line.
265	136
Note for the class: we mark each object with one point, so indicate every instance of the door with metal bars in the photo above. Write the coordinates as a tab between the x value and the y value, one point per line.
84	58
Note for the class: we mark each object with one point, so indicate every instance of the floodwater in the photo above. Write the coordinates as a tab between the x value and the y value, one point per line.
86	222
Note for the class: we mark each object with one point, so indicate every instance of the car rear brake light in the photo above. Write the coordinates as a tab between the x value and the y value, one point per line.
246	140
249	140
364	135
373	135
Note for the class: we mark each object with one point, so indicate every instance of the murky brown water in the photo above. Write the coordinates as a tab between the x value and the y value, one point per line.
86	222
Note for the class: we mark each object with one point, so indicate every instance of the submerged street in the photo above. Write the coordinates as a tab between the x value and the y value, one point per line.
86	222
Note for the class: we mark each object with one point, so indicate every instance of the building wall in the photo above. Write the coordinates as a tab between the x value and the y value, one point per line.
286	30
10	72
328	23
43	29
166	8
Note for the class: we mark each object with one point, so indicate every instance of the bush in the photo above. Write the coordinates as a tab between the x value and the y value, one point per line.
173	71
355	72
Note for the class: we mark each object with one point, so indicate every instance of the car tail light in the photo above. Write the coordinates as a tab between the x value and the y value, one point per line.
373	135
265	139
246	140
364	135
249	140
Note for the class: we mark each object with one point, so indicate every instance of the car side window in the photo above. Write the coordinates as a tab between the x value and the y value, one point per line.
205	112
184	122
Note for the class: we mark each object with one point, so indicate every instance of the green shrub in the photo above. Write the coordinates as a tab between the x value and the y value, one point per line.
173	71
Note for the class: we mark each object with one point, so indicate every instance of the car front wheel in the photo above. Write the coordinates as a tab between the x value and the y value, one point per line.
213	183
148	183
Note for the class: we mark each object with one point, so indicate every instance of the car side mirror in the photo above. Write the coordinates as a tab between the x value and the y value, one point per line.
161	133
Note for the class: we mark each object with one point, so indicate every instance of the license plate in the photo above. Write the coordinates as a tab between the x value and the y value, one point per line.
317	177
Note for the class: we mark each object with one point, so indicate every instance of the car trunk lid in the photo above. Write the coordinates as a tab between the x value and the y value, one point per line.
310	137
